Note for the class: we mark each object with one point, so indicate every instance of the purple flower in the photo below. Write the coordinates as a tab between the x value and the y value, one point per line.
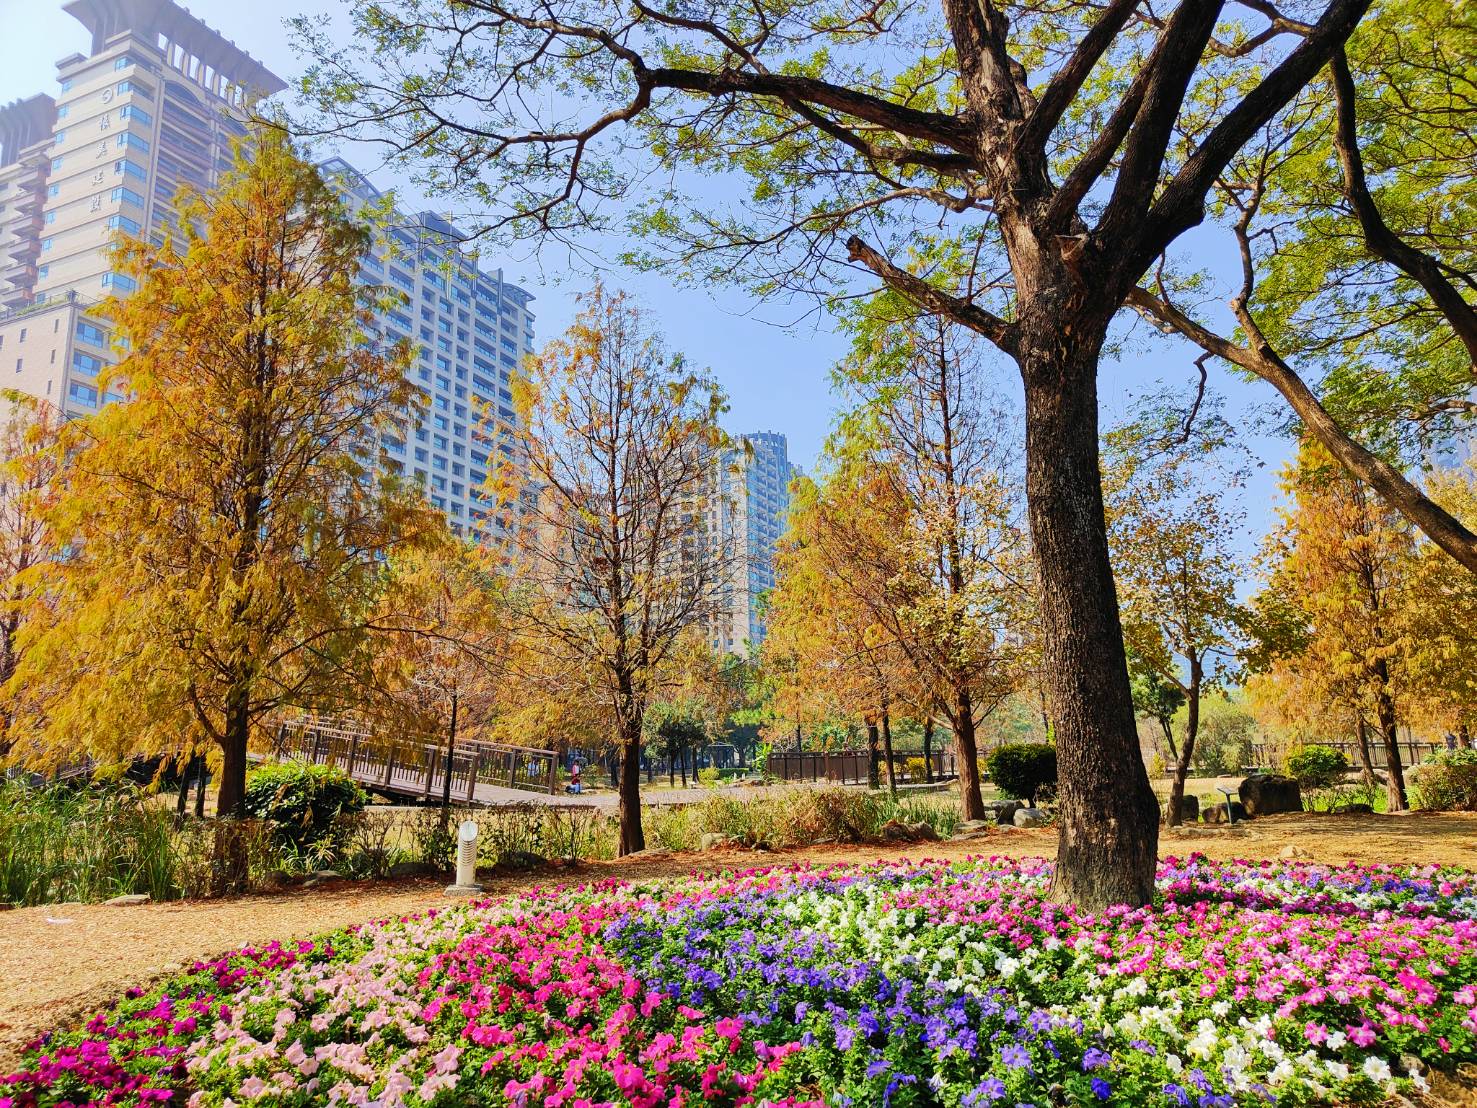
1015	1057
1096	1059
1101	1089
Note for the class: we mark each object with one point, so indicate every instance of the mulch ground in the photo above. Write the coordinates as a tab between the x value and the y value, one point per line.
63	961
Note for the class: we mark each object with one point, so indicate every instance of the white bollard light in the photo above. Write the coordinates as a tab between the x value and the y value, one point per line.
466	860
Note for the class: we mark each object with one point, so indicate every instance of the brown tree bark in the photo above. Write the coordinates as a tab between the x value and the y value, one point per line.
1107	815
967	753
928	749
1384	708
628	791
874	757
887	753
1361	731
1174	815
231	799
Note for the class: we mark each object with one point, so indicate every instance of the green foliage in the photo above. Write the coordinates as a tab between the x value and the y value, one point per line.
1317	767
304	804
1226	733
1447	781
800	817
1021	770
709	776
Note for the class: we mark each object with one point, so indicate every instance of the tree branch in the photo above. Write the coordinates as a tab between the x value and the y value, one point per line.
977	319
1439	526
1382	242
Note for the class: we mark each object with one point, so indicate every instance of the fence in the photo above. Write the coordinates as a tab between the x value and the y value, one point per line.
853	767
1411	752
411	766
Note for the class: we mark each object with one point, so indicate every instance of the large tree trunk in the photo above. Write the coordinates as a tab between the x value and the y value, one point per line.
968	755
1108	817
1174	816
928	749
874	774
1384	706
632	838
887	753
1361	731
231	800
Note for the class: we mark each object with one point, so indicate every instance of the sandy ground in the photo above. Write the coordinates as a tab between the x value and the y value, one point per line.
66	960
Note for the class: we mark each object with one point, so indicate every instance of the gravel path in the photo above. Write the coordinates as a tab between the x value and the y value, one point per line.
66	960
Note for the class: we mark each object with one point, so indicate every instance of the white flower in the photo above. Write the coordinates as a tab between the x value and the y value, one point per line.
1377	1070
1220	1009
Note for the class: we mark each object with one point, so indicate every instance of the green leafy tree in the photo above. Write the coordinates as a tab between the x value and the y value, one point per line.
1173	531
1054	155
229	523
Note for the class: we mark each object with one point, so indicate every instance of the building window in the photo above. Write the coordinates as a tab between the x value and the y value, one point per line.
44	271
131	111
49	217
18	363
56	165
86	363
45	244
83	394
133	169
59	138
122	63
122	193
128	138
90	332
119	281
123	223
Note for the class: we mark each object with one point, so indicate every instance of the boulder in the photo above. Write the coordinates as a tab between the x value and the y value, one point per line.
128	901
1266	794
896	831
974	829
1189	809
1354	810
1005	811
1292	851
711	840
413	869
1029	817
923	832
1216	813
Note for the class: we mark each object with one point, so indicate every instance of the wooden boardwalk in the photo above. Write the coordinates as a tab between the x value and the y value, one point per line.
410	768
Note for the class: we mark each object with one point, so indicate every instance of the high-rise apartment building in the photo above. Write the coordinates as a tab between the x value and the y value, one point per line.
153	105
470	328
749	515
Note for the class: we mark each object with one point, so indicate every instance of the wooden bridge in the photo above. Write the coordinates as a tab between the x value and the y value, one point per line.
413	768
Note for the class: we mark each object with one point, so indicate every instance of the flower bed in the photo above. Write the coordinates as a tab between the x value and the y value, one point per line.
885	985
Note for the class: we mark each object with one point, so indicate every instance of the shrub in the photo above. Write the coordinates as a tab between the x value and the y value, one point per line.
304	804
1447	781
1317	767
916	769
1021	770
709	777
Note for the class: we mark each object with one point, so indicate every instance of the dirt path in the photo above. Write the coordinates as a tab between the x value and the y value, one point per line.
66	960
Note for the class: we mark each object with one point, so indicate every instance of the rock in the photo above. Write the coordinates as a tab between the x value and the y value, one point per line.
1291	851
1216	813
1189	809
1029	817
128	901
896	831
1265	794
1005	813
327	875
712	841
1354	810
413	869
923	832
524	859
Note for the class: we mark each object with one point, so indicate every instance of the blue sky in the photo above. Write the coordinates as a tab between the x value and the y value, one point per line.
775	369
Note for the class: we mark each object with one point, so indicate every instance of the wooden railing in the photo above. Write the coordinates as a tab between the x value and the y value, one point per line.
414	766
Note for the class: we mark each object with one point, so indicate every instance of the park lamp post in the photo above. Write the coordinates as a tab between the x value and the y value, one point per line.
466	860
